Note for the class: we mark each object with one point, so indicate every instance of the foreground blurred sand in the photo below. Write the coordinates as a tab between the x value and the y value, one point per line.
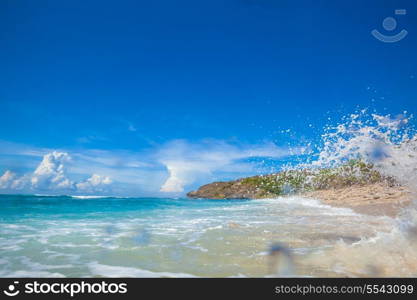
373	199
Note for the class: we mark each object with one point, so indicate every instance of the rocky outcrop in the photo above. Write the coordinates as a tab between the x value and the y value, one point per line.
353	173
236	189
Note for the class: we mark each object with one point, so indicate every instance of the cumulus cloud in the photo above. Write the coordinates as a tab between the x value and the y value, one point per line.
50	175
188	162
11	181
95	183
169	168
182	173
7	179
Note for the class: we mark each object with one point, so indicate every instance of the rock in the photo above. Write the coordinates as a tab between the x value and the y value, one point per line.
352	174
225	190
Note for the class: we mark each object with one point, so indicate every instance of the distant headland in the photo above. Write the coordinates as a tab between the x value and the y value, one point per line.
355	184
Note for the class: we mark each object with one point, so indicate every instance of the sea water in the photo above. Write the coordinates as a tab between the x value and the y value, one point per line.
161	237
64	236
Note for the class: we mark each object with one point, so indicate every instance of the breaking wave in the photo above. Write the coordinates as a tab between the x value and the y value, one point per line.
389	143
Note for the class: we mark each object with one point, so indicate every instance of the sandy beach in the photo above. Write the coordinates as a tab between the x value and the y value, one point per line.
373	199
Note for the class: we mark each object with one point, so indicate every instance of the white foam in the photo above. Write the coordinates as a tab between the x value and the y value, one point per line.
38	266
98	269
11	248
88	197
25	274
388	143
310	202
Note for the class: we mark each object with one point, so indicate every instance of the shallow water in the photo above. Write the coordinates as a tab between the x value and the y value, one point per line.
154	237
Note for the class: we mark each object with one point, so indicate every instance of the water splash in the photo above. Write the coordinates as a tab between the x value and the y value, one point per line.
389	143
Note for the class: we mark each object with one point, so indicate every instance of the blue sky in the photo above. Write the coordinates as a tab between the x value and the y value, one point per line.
132	89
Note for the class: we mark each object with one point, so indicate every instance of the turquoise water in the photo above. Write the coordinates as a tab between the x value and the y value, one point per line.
62	236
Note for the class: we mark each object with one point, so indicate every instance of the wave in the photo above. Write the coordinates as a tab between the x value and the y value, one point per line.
90	197
389	143
310	202
67	196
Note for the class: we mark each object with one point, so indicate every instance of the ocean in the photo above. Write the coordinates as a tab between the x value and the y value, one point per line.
64	236
88	236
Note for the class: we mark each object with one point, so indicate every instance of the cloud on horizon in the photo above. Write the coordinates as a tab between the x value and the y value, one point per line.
50	176
166	169
188	162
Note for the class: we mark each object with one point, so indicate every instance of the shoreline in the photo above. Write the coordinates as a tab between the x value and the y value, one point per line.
356	185
372	199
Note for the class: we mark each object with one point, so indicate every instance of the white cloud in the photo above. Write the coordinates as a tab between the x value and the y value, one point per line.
95	183
181	173
10	181
170	168
6	180
21	183
50	174
10	148
188	163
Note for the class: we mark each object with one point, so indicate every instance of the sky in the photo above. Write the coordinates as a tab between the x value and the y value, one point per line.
154	98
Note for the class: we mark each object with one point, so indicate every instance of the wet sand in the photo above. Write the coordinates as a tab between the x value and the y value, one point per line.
373	199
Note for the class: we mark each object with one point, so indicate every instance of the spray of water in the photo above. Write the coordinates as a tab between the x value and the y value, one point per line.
389	143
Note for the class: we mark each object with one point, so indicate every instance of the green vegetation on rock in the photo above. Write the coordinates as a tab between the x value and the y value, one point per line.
354	172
